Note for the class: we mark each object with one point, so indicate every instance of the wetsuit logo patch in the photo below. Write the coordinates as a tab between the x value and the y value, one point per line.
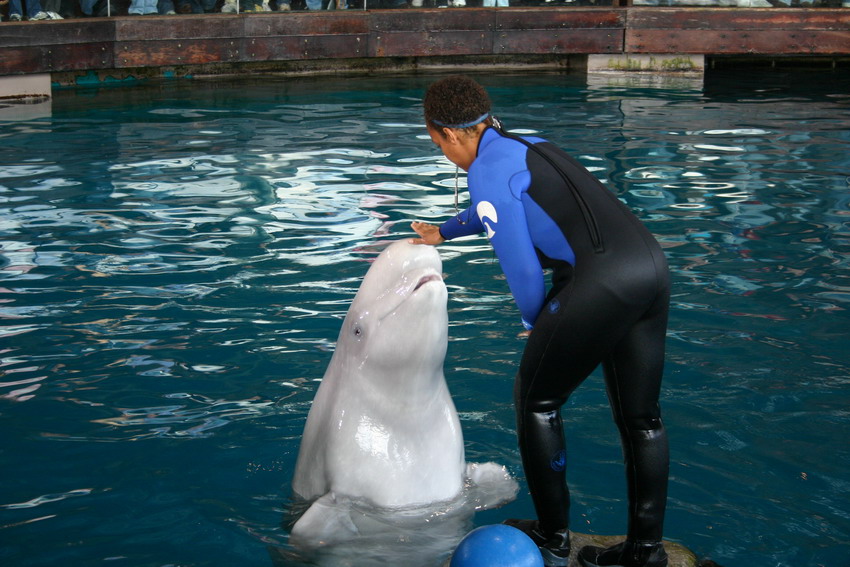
559	461
486	210
554	306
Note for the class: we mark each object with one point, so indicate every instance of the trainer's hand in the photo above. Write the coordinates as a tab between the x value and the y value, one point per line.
428	234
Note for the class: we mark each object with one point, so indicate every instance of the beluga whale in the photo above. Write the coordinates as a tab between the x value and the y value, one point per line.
382	450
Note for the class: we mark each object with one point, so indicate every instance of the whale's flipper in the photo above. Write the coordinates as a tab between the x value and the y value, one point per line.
490	485
328	518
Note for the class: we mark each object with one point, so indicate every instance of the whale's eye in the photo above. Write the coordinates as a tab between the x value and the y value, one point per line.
358	331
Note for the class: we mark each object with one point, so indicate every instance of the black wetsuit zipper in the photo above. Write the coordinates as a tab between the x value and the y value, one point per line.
587	214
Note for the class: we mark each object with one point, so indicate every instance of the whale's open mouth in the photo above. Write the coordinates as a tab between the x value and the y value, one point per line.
427	278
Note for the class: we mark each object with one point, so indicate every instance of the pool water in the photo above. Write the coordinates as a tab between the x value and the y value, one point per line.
176	260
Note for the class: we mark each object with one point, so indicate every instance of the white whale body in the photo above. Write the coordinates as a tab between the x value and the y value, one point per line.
382	444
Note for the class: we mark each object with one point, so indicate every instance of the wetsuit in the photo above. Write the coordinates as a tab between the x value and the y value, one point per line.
607	305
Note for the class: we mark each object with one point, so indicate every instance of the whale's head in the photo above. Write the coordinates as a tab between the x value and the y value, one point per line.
398	318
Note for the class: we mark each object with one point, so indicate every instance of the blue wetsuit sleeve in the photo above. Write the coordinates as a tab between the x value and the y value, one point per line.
518	258
502	213
466	223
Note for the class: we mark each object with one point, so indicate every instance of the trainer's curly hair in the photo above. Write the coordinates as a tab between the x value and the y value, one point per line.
455	99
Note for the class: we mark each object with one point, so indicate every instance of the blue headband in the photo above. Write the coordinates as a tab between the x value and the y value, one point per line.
478	120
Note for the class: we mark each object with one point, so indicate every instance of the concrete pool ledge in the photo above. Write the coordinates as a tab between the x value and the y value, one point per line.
25	87
593	39
647	63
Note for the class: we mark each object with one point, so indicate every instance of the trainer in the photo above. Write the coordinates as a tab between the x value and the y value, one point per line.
607	304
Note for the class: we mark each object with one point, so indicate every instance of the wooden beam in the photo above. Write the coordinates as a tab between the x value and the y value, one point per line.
163	41
719	31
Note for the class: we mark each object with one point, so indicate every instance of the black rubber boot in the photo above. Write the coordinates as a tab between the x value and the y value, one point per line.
626	554
554	547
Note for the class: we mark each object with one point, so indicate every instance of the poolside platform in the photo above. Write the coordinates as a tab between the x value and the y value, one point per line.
604	39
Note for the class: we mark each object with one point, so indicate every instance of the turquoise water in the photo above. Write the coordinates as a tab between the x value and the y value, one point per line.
175	262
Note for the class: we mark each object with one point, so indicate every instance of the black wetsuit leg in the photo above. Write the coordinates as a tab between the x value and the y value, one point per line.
633	380
587	323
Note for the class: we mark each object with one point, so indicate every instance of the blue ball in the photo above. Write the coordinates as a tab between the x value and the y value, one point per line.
496	546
